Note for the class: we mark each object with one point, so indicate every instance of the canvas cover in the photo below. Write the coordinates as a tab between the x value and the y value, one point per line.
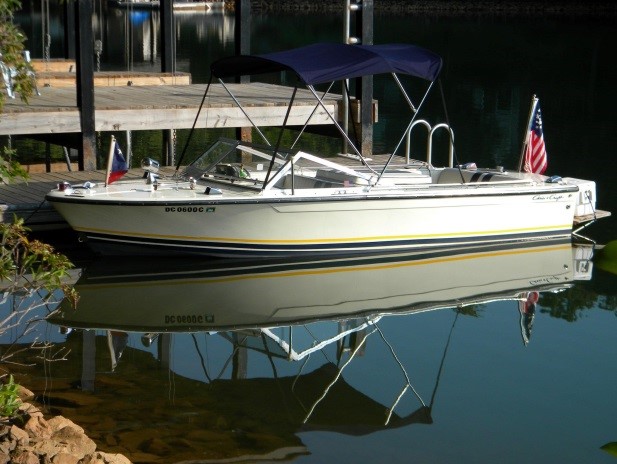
328	62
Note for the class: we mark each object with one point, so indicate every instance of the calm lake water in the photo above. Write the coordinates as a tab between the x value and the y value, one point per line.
481	355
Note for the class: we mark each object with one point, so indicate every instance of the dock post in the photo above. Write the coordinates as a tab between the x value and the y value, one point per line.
242	39
168	66
364	89
85	84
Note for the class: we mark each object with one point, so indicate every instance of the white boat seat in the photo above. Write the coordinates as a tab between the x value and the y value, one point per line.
455	176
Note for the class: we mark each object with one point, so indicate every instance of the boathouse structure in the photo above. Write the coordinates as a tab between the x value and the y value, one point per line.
72	116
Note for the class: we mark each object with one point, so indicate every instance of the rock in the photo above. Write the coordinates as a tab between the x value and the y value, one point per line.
74	440
105	458
24	457
60	422
37	426
30	410
155	446
5	448
24	394
20	436
65	458
93	459
47	447
57	440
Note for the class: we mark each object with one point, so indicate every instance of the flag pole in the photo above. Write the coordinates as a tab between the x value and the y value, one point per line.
532	110
110	159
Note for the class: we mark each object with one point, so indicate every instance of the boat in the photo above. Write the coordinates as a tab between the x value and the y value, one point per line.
179	295
242	199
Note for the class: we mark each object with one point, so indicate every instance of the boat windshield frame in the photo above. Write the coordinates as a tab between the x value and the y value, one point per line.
229	160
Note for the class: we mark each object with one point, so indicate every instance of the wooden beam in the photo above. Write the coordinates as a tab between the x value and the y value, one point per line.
242	43
167	37
364	89
85	86
113	78
167	66
161	107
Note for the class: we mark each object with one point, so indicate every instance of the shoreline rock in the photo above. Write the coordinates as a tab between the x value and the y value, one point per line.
57	440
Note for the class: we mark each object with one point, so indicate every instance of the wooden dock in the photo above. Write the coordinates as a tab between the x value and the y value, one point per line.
59	72
162	107
26	199
58	79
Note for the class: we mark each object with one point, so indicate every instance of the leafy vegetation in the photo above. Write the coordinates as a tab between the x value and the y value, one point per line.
9	167
9	398
33	280
11	53
21	257
12	47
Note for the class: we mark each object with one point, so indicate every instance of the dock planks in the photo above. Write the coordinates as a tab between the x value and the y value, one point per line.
26	198
163	107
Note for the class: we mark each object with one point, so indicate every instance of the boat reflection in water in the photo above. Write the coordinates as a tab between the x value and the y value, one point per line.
286	312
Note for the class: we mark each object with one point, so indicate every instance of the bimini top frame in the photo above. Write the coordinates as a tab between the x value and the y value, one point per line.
328	63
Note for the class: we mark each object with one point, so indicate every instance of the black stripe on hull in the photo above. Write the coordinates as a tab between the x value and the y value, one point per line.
126	270
119	245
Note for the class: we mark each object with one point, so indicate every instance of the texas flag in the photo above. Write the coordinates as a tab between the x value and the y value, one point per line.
117	165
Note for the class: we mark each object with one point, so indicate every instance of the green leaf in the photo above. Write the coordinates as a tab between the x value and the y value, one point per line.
610	448
606	258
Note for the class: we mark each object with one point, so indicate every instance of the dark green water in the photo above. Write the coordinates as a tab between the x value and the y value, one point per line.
480	394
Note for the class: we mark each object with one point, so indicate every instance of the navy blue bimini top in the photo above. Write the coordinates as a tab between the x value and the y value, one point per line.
328	62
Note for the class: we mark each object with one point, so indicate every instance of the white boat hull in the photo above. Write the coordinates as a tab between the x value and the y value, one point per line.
168	222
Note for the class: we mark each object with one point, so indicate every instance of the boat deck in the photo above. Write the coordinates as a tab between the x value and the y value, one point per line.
26	199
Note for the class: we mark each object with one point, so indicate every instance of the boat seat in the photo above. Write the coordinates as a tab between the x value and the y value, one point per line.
453	176
322	179
338	178
407	177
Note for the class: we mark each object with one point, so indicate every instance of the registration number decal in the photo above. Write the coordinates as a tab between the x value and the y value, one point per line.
189	319
189	209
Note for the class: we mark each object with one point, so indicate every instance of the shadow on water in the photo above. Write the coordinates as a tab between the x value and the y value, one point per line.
174	360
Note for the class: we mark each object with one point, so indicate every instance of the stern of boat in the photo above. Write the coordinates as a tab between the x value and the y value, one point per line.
585	207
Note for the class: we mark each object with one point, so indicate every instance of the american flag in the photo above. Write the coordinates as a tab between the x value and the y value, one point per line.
535	152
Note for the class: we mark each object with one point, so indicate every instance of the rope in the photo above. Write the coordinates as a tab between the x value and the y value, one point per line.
27	218
45	36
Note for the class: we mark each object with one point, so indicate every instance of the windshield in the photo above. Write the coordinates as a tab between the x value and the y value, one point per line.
235	161
247	165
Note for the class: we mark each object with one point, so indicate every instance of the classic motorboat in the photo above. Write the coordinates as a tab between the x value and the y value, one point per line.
241	199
